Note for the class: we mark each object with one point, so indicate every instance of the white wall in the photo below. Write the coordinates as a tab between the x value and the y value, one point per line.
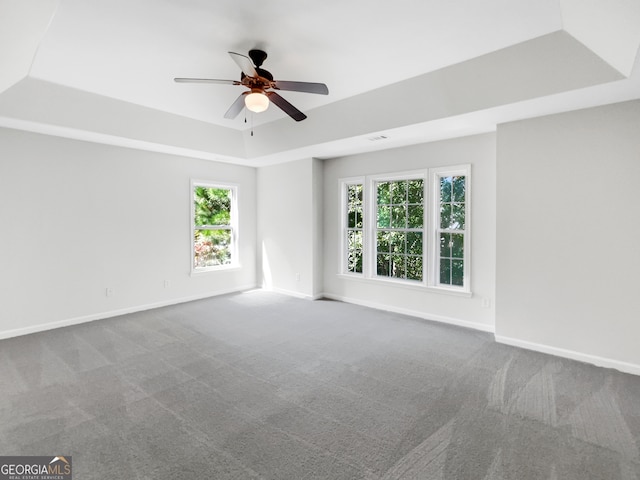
568	235
317	205
79	217
479	151
288	237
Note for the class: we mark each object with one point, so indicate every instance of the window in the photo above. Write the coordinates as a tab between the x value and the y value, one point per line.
450	229
355	221
409	228
399	230
214	230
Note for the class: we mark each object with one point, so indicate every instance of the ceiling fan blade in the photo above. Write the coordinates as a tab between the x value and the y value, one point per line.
286	107
206	80
308	87
236	107
245	64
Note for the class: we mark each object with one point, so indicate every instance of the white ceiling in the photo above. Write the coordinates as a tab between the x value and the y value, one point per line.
131	51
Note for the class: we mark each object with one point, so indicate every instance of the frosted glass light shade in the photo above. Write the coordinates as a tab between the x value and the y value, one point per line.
256	102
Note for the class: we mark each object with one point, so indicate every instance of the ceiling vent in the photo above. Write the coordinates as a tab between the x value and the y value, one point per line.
377	138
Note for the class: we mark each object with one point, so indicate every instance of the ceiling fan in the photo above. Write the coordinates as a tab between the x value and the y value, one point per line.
261	87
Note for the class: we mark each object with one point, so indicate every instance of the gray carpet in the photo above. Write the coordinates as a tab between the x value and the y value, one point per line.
259	385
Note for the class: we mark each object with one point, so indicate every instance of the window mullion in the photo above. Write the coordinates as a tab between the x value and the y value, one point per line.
369	237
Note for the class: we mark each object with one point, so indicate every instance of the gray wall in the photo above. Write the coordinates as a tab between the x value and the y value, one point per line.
568	234
560	267
289	241
78	217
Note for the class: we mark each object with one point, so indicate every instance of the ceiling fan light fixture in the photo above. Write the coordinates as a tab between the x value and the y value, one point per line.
256	102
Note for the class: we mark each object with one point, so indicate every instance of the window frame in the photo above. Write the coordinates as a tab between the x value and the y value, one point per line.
431	218
372	197
232	227
435	175
344	227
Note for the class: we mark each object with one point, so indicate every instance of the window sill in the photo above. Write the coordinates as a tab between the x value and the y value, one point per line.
406	285
218	268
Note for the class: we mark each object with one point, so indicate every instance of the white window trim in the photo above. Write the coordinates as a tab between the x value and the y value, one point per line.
431	181
344	247
371	206
434	253
235	261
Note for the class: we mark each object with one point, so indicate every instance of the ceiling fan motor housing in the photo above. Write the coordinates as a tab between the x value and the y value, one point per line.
257	57
265	74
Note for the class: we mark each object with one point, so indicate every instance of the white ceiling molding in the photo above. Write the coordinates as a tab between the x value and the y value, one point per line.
95	137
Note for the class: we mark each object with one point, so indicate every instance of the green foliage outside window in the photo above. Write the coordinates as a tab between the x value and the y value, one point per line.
354	228
212	206
212	233
400	219
404	240
452	224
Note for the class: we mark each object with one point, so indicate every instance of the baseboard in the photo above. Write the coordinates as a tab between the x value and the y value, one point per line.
114	313
291	293
571	354
413	313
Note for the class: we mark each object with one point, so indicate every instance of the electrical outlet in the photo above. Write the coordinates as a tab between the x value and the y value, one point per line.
167	284
108	291
486	302
297	277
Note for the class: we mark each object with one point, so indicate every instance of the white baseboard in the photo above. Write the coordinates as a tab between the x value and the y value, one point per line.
291	293
571	354
625	367
114	313
414	313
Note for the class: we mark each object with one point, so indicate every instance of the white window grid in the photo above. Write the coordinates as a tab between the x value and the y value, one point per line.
233	227
431	223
